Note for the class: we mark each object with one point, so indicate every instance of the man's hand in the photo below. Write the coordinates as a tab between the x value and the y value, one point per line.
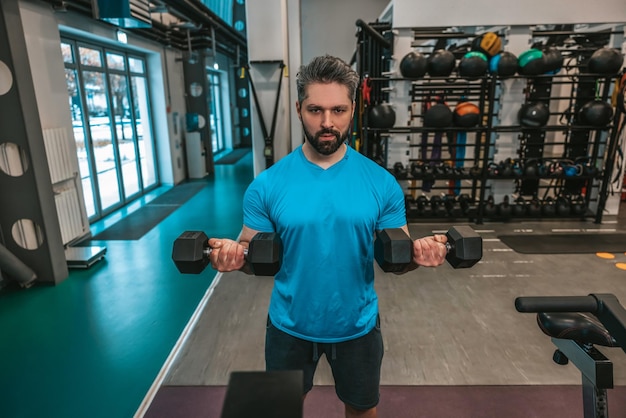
430	251
226	255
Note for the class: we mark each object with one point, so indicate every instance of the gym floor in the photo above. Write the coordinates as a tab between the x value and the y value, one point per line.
102	341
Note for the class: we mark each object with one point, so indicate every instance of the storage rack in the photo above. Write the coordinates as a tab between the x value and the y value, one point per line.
563	146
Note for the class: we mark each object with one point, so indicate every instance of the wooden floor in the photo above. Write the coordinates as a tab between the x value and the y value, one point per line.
103	341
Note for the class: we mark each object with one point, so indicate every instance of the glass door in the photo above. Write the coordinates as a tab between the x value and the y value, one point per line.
109	101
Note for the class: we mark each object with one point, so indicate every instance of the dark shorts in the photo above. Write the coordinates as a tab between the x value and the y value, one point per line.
355	364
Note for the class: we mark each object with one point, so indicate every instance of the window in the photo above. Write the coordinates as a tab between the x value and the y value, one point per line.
109	101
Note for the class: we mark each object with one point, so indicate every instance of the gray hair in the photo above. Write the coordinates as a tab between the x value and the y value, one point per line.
326	69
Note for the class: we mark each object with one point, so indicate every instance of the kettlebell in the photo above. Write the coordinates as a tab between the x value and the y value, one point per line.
519	208
399	171
534	207
504	208
490	209
548	207
563	206
423	206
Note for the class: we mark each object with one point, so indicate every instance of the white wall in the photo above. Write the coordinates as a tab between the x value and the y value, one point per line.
328	26
426	13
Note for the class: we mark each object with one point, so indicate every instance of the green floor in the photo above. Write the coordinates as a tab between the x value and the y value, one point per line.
93	345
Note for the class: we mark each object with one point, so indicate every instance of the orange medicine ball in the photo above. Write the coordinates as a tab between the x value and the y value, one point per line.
466	115
489	43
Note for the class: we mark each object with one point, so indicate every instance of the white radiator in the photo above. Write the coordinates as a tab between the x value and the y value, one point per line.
59	153
70	218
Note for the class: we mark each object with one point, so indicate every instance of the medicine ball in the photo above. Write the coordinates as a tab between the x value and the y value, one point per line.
466	115
552	61
605	61
530	62
382	116
473	65
488	43
534	115
503	64
596	113
441	63
413	65
438	115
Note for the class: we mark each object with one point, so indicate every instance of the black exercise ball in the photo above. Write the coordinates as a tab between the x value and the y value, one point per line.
605	61
438	115
530	62
503	64
382	116
466	115
534	115
413	65
596	113
441	63
552	61
473	65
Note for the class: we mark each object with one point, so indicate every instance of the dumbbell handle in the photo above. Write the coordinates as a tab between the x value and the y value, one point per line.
208	250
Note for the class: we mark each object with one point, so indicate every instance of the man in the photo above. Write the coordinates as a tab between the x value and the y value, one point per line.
326	201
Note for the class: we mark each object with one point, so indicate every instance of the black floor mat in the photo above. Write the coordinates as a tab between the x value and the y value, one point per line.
565	243
233	156
138	223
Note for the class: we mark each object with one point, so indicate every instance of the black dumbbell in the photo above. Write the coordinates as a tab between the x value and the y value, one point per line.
264	253
393	248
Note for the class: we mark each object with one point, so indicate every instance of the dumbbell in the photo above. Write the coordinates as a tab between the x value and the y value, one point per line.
264	253
393	248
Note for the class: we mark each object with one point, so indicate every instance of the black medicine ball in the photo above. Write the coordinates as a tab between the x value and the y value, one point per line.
473	65
605	61
441	63
382	116
596	113
552	60
534	115
413	65
438	115
503	64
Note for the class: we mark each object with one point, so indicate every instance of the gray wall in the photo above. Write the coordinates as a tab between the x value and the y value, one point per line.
328	26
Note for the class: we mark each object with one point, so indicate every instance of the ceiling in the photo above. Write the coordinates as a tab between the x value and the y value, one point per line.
187	25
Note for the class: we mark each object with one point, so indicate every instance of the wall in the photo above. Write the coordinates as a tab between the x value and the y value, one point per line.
328	26
505	12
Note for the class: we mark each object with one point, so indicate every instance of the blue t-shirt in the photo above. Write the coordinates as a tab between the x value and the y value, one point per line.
326	218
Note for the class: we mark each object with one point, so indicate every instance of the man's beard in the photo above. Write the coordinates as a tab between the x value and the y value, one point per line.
326	147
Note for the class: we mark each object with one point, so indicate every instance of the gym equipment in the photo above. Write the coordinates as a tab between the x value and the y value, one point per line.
548	206
490	210
399	171
15	268
563	206
520	207
596	113
439	207
473	65
534	115
605	61
264	254
414	65
503	64
576	324
441	63
393	248
438	115
489	43
530	62
552	61
382	116
504	208
466	115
